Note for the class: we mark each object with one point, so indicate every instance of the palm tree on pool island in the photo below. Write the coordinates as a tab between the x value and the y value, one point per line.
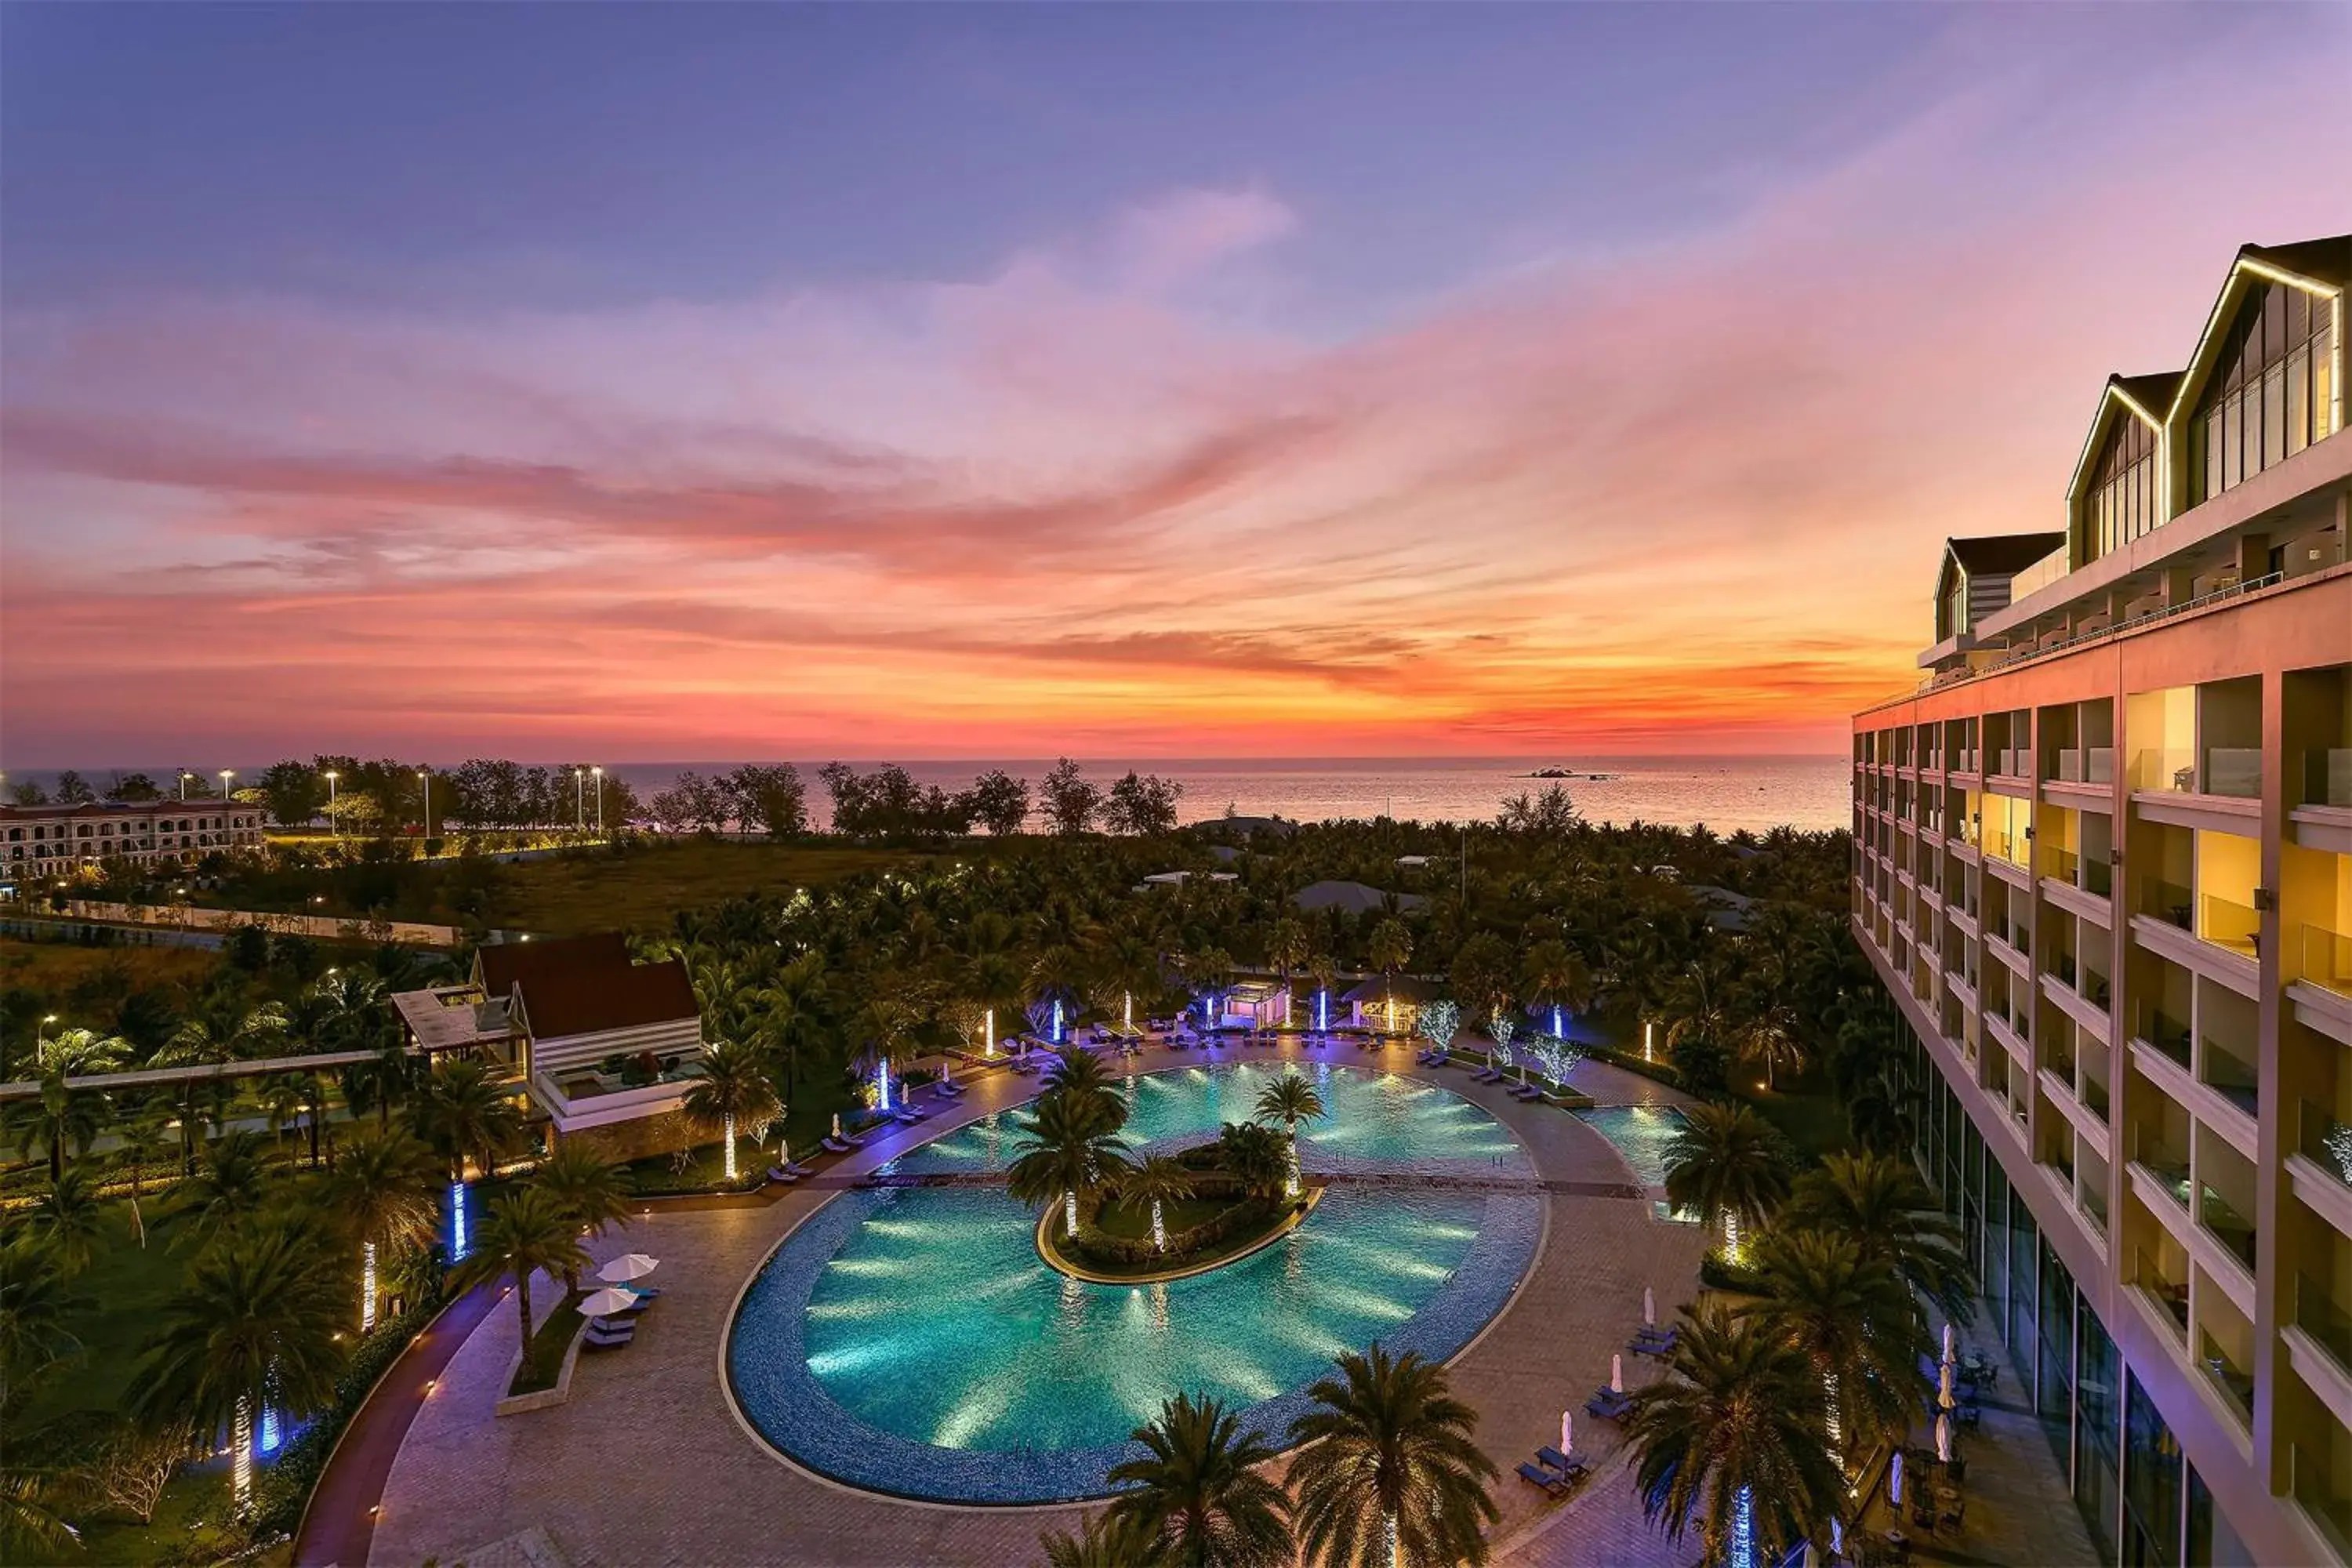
1392	1475
1290	1100
257	1322
1158	1179
1067	1145
1732	1441
1729	1163
1196	1498
527	1232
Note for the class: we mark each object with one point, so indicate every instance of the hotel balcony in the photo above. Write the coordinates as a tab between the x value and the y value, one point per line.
2326	959
2167	1288
2326	777
2322	1482
2086	765
2225	1200
2226	1359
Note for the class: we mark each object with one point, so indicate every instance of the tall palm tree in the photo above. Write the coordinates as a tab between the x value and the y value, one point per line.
1076	1071
1287	948
1770	1039
35	1307
382	1189
525	1232
1731	1441
1156	1181
1197	1495
1857	1323
1065	1146
1392	1476
230	1188
1257	1157
1880	1203
1389	949
32	1523
64	1121
1290	1100
463	1111
1553	976
1101	1541
70	1219
1729	1163
733	1091
257	1321
76	1053
594	1192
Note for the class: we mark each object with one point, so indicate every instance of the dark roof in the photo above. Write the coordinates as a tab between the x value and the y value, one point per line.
1355	898
118	807
2328	260
584	986
2153	392
1405	987
1999	555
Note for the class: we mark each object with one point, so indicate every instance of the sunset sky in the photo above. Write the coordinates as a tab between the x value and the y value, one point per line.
659	383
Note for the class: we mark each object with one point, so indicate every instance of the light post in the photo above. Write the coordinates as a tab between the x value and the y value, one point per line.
184	776
334	825
425	824
599	774
227	774
579	800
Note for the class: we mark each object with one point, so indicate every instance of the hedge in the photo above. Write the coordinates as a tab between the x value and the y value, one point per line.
282	1489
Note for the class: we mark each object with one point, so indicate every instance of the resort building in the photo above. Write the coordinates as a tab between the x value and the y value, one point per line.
2103	866
597	1042
61	840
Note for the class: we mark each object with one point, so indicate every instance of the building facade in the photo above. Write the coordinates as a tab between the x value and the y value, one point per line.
2103	866
60	840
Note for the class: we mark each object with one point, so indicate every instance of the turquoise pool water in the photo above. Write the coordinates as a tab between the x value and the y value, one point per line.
1640	1133
910	1341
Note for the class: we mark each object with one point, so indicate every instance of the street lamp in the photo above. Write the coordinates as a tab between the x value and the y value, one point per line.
424	828
599	771
184	776
336	827
579	800
227	774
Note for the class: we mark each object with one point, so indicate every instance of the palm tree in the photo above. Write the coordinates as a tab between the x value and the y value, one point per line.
35	1307
1285	948
1392	1476
31	1526
462	1112
1770	1039
230	1187
732	1090
1727	1161
1196	1496
1067	1144
1101	1541
1290	1100
1156	1181
594	1192
1389	949
65	1122
1731	1439
256	1323
1551	976
1881	1204
382	1189
526	1232
1855	1321
1257	1157
70	1219
1078	1072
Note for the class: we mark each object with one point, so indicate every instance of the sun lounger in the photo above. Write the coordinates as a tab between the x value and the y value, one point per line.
838	1145
778	1174
946	1090
608	1342
1610	1405
642	1292
1570	1469
1650	1340
909	1115
1551	1484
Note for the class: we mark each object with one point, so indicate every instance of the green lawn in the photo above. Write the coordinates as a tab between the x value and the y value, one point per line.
808	1119
550	1341
640	890
1133	1222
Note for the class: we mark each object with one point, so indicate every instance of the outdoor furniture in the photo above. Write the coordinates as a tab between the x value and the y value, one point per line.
1552	1485
838	1145
1570	1469
606	1339
1650	1340
1610	1405
1487	1074
778	1174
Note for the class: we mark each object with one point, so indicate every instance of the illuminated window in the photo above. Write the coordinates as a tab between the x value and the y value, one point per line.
2268	395
2121	503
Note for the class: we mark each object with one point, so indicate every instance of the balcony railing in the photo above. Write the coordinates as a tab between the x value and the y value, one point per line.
2221	1217
2168	1165
2325	1500
2171	1294
2327	776
2328	959
2236	1384
2325	1142
2165	769
2225	922
2167	902
2316	1314
2233	770
2094	1096
2233	1076
2087	765
2062	865
2098	877
2168	1035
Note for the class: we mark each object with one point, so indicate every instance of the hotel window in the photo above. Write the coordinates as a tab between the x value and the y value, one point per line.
2269	393
2121	503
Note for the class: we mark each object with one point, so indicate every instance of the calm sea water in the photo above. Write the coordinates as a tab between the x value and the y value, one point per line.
1725	793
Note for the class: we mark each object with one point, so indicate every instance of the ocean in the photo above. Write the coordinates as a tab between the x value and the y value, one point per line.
1725	793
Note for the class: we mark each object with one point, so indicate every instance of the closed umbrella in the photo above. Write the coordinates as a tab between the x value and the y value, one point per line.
1944	1386
627	1266
836	1126
1951	1346
1567	1432
606	1302
1895	1479
1943	1437
1649	1307
1616	1373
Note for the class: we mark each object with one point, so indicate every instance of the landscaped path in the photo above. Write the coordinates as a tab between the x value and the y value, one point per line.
646	1463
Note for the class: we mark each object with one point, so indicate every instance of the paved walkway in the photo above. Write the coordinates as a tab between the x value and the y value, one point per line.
647	1464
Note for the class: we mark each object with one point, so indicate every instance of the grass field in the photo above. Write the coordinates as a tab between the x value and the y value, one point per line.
55	967
641	889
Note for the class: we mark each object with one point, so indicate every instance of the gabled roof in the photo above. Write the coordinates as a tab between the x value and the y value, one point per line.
2148	397
2328	260
2323	265
2001	554
585	986
1355	898
1409	988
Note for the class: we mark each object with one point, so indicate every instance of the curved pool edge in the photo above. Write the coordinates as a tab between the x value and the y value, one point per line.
1508	1219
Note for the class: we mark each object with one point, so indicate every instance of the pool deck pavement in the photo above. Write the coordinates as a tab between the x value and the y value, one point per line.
648	1463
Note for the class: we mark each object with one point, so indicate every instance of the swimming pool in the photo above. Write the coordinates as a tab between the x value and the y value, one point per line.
910	1341
1641	1134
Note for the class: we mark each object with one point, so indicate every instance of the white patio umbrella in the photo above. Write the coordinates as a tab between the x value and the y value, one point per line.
1943	1437
1567	1432
606	1302
1649	1307
627	1266
1617	1372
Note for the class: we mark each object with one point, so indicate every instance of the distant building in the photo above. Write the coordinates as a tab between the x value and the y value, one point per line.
58	840
592	1039
1390	1004
1356	899
1727	910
